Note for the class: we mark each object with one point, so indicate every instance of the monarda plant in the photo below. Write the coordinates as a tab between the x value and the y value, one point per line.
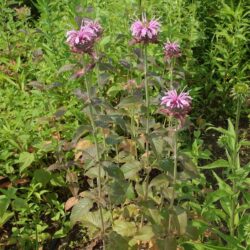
130	159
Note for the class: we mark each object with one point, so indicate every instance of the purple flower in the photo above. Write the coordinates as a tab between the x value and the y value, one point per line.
144	31
172	50
94	26
174	101
176	105
83	40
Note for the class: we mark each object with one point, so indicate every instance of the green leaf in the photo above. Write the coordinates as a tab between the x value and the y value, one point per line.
223	185
192	232
144	234
158	144
80	210
10	193
124	228
130	194
231	128
160	181
114	90
42	176
215	196
105	41
226	205
222	130
113	139
129	102
182	220
114	171
20	204
216	164
190	168
154	216
167	244
67	67
94	172
4	203
116	241
92	219
118	191
25	160
166	165
130	169
5	217
245	143
202	246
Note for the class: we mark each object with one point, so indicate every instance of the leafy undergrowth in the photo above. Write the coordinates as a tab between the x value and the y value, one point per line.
118	138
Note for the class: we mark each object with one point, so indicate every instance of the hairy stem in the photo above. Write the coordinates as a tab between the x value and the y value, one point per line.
175	167
147	126
171	74
147	120
140	6
102	110
235	166
175	141
91	116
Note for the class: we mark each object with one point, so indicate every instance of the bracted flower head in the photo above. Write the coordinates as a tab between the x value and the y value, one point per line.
172	50
144	31
83	40
94	26
177	105
240	91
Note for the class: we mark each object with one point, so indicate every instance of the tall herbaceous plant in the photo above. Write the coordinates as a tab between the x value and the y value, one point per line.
131	156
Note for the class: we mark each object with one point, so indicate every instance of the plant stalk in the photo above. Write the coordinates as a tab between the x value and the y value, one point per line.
171	74
140	6
175	140
102	111
147	126
175	167
235	166
147	120
91	116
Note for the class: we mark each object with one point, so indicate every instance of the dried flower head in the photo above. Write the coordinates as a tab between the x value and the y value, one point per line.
177	105
144	31
172	50
83	40
23	12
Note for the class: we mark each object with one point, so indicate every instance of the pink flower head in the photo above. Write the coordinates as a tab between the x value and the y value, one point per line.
94	26
83	40
176	105
171	50
144	31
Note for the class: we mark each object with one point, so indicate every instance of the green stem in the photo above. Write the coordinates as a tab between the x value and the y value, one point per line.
175	140
36	244
237	122
117	154
133	129
91	116
102	111
170	120
171	74
103	130
175	167
147	119
140	6
235	166
146	95
147	126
